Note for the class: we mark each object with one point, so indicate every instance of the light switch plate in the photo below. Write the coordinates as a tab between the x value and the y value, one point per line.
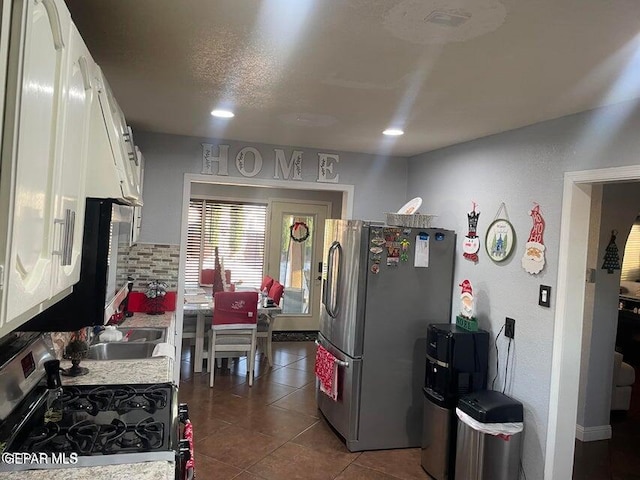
544	297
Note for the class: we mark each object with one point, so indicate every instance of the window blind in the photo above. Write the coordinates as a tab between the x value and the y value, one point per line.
237	229
631	260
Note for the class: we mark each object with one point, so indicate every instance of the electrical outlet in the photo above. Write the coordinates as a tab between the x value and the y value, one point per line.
509	328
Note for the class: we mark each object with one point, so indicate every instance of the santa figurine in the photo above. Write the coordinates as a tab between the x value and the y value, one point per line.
533	257
466	299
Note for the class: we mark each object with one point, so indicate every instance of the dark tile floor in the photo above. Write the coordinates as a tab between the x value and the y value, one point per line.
273	430
619	457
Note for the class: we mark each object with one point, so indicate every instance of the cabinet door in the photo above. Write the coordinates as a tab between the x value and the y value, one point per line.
71	168
38	91
117	130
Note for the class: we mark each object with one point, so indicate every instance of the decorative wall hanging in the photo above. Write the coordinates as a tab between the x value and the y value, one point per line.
471	243
501	238
611	255
466	319
299	232
533	258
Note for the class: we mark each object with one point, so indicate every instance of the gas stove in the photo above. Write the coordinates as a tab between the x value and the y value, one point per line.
100	424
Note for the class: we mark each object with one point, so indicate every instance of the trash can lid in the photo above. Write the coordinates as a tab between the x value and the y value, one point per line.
489	406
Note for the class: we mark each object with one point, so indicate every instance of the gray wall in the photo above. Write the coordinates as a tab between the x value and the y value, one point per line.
521	167
380	182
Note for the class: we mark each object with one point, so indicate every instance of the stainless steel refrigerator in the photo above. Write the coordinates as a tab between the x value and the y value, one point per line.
376	307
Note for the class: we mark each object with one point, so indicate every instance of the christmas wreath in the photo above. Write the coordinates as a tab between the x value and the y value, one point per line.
299	231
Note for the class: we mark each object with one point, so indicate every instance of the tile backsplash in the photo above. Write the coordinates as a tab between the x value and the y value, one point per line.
149	261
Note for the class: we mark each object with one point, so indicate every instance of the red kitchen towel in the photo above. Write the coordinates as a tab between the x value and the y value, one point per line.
188	435
326	370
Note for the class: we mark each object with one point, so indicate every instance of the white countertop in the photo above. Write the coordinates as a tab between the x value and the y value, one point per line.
138	471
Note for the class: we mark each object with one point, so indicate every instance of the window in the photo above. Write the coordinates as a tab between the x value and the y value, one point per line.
631	260
237	229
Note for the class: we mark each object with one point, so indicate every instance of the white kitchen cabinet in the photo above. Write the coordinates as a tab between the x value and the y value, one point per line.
43	156
73	145
137	211
112	168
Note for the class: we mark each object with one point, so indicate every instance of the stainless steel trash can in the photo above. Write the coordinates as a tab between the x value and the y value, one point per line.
489	437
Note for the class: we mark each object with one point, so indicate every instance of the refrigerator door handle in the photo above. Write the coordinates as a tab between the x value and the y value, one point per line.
331	298
338	362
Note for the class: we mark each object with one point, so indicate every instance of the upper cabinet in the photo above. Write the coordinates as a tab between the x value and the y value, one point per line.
113	163
64	138
40	202
69	200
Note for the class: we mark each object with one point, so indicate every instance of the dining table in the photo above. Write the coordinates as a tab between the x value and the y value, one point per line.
201	305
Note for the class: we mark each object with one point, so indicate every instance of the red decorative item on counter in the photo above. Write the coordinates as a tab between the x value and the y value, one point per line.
138	302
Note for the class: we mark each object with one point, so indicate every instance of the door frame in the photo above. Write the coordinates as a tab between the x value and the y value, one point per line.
569	312
268	243
190	178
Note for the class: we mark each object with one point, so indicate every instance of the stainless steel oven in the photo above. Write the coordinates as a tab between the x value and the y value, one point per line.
99	425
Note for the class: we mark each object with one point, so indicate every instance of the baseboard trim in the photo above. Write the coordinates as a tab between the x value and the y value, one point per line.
591	434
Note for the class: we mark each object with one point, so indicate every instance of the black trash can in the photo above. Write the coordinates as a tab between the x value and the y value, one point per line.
489	439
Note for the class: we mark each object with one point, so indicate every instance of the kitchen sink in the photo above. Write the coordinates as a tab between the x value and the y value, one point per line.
121	350
144	334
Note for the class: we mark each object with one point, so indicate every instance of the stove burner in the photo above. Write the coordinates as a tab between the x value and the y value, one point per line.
131	440
156	395
149	400
123	393
110	434
82	436
70	394
102	396
150	432
42	436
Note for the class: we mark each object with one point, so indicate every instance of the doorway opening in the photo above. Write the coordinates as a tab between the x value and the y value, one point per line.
294	190
568	324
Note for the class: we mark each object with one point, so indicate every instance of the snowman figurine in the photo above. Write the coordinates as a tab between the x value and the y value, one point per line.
471	242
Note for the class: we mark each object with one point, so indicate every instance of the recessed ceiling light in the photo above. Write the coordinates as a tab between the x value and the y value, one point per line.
223	114
393	132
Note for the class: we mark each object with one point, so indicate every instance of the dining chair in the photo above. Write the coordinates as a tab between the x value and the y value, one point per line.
233	328
266	321
276	291
267	281
206	277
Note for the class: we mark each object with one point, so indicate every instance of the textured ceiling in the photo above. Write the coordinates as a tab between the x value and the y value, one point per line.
333	74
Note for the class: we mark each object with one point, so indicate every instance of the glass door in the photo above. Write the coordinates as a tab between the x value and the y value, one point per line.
295	253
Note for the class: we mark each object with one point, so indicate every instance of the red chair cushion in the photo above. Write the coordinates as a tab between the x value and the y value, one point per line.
276	291
266	284
235	307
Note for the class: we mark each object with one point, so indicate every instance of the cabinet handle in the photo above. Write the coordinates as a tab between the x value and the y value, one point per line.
68	227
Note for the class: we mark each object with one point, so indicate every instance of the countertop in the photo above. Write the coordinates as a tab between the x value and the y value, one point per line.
148	370
137	471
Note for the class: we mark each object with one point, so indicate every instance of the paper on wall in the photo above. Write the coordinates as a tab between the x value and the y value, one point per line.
421	258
